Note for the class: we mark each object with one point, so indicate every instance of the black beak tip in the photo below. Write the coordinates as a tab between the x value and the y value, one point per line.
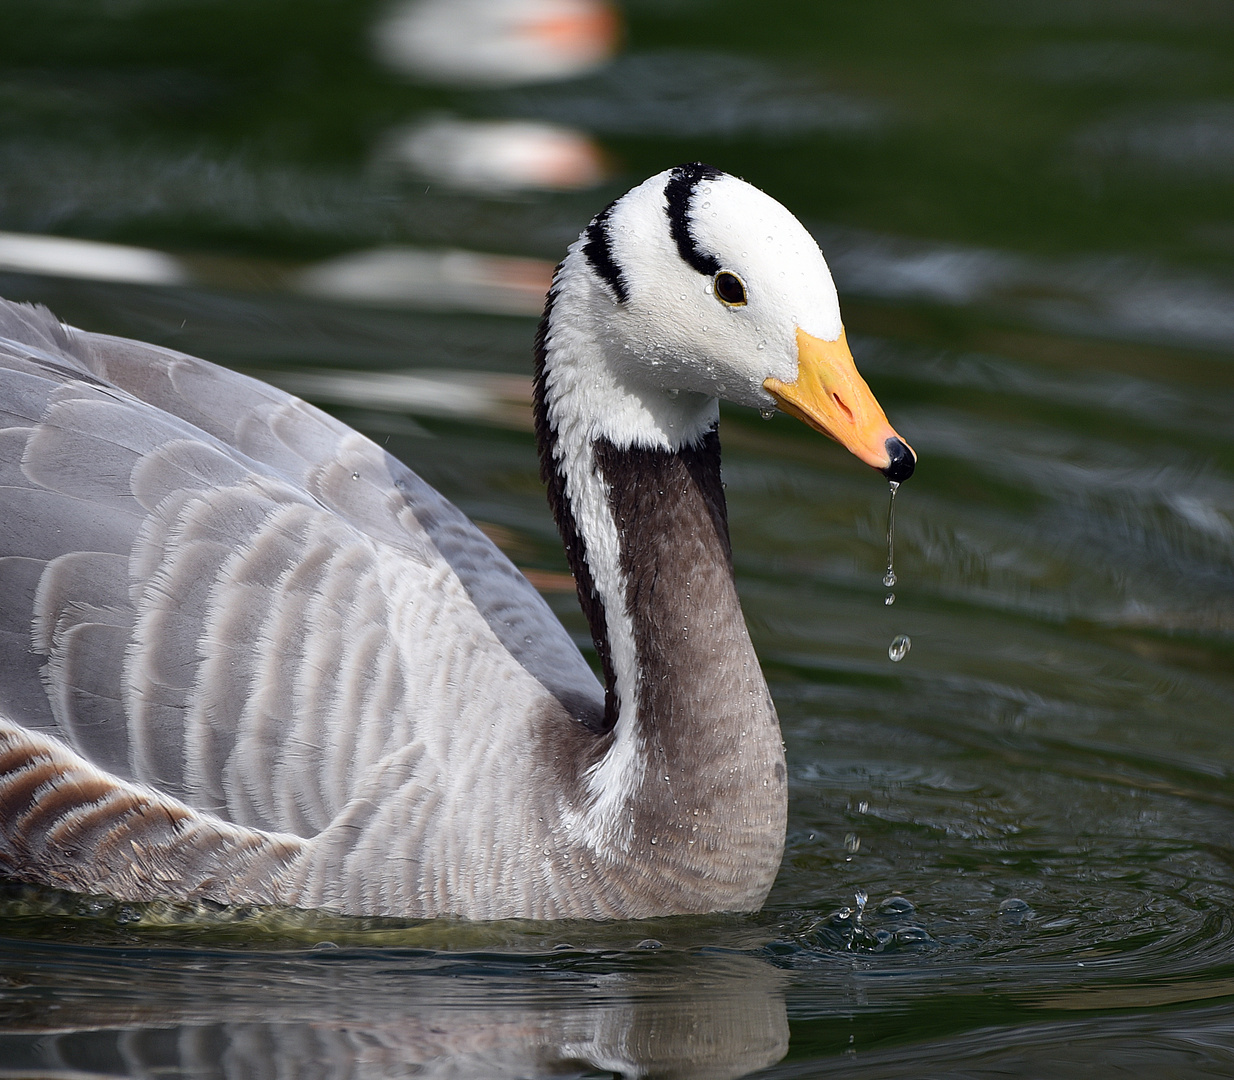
903	461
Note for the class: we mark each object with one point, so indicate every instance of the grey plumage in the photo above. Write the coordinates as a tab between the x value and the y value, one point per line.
204	625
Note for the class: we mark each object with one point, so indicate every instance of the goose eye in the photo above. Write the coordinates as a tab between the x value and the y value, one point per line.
729	289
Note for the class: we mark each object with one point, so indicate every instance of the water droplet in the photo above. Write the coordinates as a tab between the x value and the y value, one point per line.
761	346
863	807
355	476
1013	905
913	935
889	599
720	388
706	206
895	906
673	393
852	843
889	579
766	414
899	648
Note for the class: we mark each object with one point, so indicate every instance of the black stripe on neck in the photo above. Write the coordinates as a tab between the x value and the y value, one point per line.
599	252
679	191
554	478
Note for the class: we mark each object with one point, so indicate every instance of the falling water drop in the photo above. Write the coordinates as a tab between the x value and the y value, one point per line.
889	578
900	646
767	414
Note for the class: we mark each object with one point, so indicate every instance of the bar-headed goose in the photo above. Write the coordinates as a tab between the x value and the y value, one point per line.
246	655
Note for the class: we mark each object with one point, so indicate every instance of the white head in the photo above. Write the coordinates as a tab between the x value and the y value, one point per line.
696	286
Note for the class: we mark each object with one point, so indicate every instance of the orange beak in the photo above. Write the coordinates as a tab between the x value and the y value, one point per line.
830	396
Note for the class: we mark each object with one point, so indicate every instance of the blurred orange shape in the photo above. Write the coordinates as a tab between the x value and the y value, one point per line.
497	42
499	155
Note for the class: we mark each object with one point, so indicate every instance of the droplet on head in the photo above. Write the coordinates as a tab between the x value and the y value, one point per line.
899	648
766	414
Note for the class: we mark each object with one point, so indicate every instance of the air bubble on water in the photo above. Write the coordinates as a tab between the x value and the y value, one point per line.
889	599
899	648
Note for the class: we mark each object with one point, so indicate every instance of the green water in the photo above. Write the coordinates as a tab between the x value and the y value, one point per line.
1029	211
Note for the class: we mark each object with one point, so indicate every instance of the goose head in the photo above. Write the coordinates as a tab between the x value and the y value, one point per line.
696	286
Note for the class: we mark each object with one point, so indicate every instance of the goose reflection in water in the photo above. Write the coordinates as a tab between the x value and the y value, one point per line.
676	1015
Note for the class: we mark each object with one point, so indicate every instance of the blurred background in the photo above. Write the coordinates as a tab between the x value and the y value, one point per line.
1010	853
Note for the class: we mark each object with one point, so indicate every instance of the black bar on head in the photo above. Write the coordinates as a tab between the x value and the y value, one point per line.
679	191
599	252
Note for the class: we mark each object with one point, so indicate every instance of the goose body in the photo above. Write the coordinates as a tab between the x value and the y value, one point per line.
246	655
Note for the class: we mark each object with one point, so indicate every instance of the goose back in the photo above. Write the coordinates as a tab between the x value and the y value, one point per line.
225	605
